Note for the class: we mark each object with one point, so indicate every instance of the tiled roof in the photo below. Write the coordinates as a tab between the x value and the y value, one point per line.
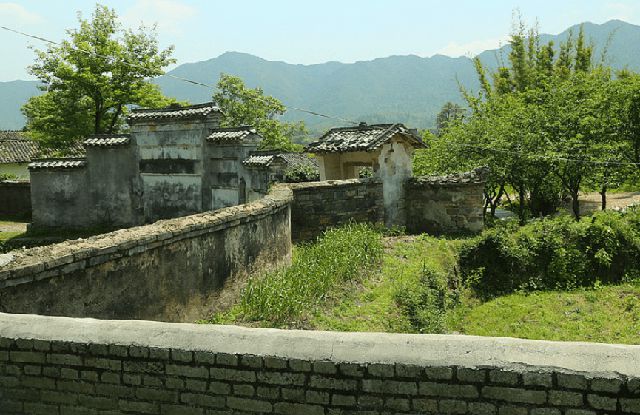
107	140
265	159
478	175
174	112
361	138
231	134
15	148
57	164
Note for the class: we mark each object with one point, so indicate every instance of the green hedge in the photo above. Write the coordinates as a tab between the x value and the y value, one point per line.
554	253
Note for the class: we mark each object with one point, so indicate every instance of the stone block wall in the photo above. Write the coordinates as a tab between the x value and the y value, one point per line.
172	270
319	205
52	365
446	204
15	198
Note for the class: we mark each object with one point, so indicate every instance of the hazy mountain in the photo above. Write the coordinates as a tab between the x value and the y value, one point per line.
12	96
408	89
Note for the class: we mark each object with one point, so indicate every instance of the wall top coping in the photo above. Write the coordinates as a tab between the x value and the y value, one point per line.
332	183
28	262
608	360
476	176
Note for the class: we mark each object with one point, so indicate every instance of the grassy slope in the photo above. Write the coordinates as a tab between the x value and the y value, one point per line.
372	307
606	314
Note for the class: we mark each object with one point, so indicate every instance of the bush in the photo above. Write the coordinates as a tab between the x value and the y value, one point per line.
426	300
340	255
554	253
301	173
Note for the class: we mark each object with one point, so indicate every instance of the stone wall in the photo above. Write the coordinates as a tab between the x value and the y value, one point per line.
55	365
15	198
172	270
446	204
319	205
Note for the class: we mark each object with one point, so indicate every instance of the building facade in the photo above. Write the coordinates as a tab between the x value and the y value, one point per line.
174	162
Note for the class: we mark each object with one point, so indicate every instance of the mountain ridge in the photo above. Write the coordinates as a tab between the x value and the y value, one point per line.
397	88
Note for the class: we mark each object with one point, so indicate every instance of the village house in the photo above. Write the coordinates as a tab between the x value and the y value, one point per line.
17	151
386	148
174	162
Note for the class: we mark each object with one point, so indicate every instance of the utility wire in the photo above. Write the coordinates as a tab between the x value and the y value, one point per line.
191	81
543	157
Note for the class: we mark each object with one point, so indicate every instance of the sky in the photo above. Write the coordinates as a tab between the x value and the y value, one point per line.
305	32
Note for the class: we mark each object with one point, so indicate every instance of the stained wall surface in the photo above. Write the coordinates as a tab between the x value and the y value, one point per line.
57	365
172	270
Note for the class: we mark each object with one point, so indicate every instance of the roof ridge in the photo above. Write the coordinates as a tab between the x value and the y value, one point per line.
239	128
171	108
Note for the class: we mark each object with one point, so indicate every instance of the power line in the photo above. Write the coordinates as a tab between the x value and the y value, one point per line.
543	157
179	78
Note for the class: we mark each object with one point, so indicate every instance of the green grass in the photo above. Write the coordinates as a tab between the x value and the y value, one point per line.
285	297
608	314
374	305
415	288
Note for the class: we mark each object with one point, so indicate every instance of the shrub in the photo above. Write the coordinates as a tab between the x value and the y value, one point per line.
340	255
554	253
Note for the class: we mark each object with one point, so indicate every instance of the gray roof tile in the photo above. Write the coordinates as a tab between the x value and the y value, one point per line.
16	147
58	164
174	112
107	140
231	134
478	175
265	159
361	138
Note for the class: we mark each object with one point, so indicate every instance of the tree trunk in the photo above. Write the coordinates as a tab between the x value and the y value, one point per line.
575	205
603	195
521	199
116	115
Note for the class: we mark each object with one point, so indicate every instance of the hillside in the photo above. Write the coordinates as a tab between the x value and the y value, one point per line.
409	89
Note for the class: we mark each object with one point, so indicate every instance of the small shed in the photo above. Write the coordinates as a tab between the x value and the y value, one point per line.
386	148
342	152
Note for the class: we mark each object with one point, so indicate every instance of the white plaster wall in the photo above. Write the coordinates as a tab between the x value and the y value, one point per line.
395	161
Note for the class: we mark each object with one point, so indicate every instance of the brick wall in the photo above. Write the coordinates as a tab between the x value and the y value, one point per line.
172	270
319	205
15	198
65	366
447	204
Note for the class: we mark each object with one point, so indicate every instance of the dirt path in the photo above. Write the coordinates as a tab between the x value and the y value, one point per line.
591	202
19	227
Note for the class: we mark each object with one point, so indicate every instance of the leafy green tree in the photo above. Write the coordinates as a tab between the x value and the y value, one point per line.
246	106
450	113
92	78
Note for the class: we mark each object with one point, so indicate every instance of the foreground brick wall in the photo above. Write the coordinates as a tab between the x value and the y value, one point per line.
77	366
15	198
319	205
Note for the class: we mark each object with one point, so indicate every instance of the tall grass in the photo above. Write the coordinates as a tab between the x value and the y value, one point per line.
340	255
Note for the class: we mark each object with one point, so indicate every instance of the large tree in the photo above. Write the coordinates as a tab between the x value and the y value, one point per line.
250	106
92	78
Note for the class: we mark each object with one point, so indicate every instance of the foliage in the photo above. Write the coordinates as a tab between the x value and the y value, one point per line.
339	256
301	173
7	176
449	114
92	78
425	300
539	122
246	106
557	253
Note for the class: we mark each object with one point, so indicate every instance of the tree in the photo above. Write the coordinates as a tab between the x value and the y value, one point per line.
449	114
92	78
246	106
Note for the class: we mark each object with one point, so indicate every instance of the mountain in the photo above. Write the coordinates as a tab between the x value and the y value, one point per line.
407	89
12	96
